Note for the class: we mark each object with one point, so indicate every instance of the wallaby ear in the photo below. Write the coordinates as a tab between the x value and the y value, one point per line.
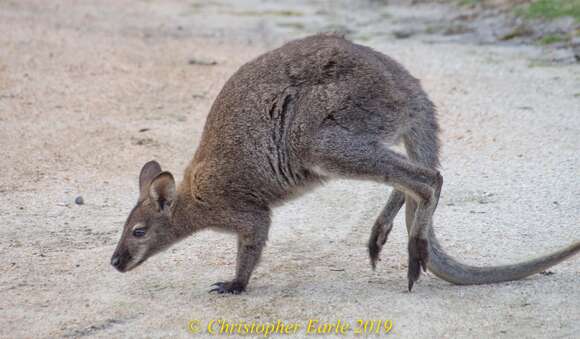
149	171
162	192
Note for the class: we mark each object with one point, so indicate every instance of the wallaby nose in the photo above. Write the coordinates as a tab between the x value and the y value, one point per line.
115	261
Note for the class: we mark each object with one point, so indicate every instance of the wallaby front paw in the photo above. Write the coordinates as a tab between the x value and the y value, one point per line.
418	256
232	287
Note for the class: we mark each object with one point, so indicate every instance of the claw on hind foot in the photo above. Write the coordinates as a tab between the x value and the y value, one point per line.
232	287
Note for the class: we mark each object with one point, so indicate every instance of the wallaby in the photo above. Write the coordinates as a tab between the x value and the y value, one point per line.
314	109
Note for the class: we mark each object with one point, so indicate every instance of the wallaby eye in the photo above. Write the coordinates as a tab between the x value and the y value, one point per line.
139	232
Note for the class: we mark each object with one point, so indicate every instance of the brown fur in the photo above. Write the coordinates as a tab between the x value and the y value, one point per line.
311	110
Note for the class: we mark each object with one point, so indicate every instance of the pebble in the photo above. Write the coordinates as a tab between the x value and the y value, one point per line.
202	62
79	200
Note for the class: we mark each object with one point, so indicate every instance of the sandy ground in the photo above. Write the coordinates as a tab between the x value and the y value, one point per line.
91	90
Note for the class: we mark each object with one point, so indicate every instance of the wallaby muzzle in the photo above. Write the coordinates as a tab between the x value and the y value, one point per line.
120	261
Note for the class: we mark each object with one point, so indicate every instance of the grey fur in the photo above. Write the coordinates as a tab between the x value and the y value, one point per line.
314	109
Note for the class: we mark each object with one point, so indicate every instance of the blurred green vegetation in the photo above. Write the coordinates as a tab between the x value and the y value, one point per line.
469	2
551	9
553	39
546	9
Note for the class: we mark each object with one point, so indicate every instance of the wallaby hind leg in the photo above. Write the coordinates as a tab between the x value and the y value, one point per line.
425	154
422	147
383	225
411	207
365	157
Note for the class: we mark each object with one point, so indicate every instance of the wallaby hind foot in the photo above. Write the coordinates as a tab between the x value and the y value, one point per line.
418	256
383	226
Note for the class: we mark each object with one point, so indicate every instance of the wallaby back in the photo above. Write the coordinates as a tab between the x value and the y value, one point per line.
263	123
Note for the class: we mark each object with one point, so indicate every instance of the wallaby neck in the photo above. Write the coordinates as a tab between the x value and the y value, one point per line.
187	215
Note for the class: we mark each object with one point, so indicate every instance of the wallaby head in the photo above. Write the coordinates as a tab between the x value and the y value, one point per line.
148	229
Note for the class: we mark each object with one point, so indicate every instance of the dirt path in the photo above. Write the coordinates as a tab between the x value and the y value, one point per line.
90	92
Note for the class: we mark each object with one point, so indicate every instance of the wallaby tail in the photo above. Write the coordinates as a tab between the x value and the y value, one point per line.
449	269
422	146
